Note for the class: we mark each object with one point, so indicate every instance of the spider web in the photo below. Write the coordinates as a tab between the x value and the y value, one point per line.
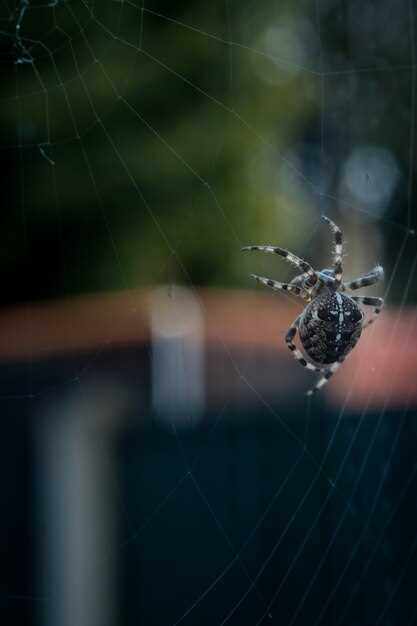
70	112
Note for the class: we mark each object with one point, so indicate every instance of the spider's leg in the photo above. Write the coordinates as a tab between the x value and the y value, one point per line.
292	258
365	281
323	380
377	303
292	331
338	251
273	284
300	279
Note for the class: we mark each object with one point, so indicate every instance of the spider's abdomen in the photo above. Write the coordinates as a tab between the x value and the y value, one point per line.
330	327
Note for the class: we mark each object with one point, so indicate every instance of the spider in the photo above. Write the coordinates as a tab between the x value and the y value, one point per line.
332	322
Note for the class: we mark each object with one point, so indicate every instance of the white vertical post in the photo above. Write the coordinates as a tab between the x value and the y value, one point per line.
178	376
75	479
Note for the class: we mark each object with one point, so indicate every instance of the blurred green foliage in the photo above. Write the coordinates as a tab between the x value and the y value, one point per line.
148	148
146	142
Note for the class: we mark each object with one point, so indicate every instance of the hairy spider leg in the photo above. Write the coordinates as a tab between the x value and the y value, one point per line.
338	251
277	286
298	280
365	281
292	331
377	303
323	380
292	258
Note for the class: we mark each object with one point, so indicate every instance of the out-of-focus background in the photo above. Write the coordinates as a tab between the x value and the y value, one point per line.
160	462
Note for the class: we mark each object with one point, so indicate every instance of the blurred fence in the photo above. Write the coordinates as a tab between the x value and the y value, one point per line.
161	465
240	333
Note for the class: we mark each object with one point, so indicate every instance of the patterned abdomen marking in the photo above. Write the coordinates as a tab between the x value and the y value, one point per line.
330	327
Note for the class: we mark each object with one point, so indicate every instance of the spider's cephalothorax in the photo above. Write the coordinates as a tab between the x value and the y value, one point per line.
332	321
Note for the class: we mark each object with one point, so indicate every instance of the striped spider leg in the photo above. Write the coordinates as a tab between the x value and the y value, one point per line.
277	286
377	303
371	278
328	373
338	250
292	258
